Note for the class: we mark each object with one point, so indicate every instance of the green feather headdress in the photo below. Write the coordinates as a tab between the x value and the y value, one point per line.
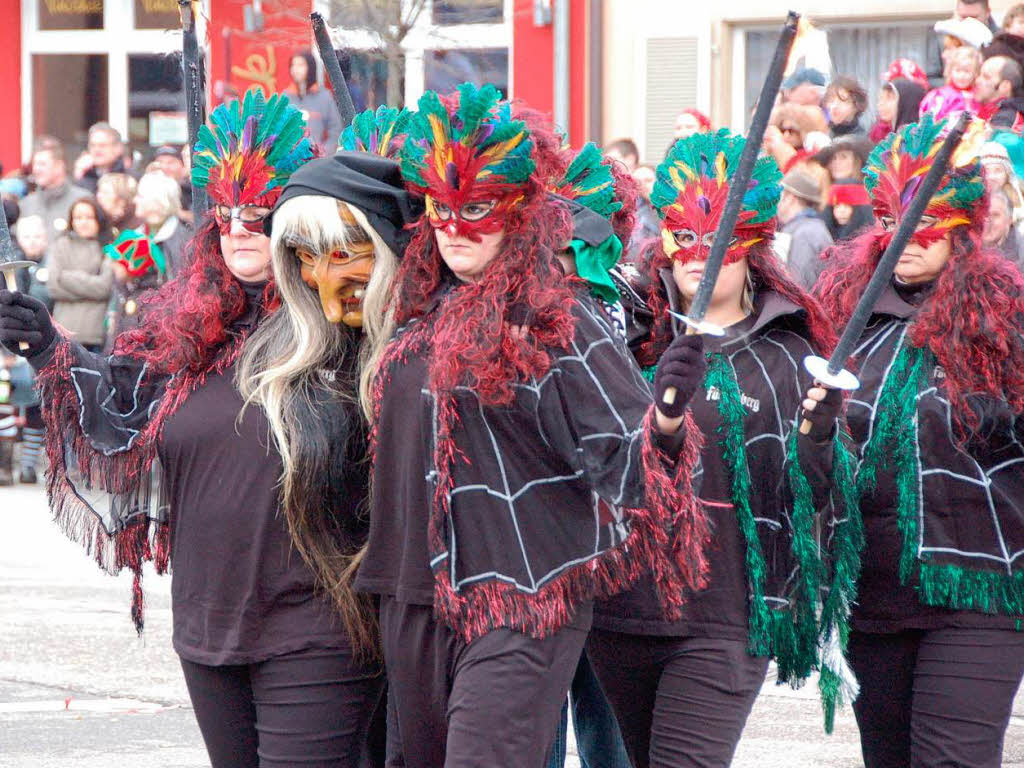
381	132
467	148
247	150
590	182
898	164
693	183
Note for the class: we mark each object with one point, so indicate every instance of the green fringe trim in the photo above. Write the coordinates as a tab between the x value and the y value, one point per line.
894	443
649	371
847	545
790	636
984	591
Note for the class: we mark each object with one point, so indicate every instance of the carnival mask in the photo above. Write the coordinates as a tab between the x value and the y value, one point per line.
340	277
691	189
469	158
898	165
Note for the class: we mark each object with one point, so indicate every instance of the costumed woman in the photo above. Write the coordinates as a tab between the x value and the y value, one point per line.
935	641
682	689
154	459
501	459
338	230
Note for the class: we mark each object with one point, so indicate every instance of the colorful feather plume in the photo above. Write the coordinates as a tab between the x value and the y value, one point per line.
589	181
247	150
382	132
898	165
693	183
469	151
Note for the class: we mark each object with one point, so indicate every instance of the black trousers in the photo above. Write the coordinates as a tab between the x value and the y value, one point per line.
680	701
931	698
309	709
492	702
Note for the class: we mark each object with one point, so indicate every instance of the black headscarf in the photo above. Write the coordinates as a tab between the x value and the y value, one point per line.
369	182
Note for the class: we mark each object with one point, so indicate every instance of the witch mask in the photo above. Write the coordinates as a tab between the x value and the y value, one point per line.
341	275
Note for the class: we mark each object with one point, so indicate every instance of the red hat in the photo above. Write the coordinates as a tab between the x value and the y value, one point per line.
702	120
908	69
848	193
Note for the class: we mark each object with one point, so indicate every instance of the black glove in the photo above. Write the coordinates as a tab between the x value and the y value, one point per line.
823	416
681	367
24	318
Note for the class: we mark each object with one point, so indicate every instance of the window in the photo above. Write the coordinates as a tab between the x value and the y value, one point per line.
368	80
156	101
157	14
69	93
70	14
863	51
444	70
468	11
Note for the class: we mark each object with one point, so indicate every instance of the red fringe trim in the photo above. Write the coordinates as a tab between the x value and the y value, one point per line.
142	540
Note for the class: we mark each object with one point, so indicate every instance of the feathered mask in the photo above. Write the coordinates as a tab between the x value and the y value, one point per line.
898	165
691	188
137	253
471	160
247	151
589	182
381	133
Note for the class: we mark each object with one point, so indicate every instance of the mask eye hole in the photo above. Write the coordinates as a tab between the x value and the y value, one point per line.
305	257
477	210
888	223
685	238
442	211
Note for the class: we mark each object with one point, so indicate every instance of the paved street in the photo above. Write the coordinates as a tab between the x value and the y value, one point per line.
77	687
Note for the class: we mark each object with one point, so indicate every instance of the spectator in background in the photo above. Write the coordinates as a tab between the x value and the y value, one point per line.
317	105
805	236
1013	21
962	68
54	193
976	10
31	237
624	151
789	131
805	87
848	211
170	160
899	103
997	87
844	159
845	101
1000	177
955	33
157	205
80	278
999	233
689	122
115	193
647	224
104	154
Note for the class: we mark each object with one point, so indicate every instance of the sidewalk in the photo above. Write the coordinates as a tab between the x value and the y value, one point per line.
78	687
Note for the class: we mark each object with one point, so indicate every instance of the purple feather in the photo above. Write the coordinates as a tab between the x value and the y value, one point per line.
909	190
451	176
705	204
248	137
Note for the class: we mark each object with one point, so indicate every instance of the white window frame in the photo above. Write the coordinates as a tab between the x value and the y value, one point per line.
704	64
426	36
117	41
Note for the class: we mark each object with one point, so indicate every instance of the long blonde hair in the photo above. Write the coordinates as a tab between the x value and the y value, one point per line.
312	380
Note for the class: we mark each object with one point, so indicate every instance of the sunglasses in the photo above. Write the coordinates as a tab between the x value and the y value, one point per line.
469	212
251	217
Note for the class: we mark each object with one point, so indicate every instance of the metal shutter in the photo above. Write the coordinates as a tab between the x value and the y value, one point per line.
671	75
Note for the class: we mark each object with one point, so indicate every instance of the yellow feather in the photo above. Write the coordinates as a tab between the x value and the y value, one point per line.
720	176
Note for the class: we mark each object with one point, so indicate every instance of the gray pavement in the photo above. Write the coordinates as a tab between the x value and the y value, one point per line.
78	687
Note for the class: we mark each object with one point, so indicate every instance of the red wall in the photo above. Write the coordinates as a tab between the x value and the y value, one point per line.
533	63
259	58
10	94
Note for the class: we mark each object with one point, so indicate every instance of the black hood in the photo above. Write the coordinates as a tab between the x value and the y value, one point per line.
369	182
